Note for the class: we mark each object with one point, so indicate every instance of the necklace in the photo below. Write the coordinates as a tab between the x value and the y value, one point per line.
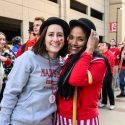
52	97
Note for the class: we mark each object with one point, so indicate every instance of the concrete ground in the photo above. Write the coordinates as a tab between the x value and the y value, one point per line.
116	116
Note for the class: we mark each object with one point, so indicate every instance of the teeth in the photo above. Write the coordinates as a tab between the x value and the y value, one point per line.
74	48
55	45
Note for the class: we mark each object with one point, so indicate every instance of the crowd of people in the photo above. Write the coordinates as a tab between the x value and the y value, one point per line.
61	75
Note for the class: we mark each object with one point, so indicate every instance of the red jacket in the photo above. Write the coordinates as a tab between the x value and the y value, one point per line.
19	52
88	94
30	43
116	52
111	58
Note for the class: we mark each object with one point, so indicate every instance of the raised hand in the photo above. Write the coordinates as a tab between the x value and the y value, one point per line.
92	42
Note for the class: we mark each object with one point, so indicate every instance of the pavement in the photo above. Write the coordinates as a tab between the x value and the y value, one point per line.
116	116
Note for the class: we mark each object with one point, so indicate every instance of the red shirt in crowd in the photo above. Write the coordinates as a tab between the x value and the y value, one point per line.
116	52
111	58
30	43
19	52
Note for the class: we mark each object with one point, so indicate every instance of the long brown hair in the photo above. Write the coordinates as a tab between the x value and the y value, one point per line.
39	47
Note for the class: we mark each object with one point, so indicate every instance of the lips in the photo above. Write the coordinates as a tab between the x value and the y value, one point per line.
74	48
55	45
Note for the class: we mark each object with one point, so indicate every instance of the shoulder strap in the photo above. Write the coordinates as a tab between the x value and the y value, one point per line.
23	48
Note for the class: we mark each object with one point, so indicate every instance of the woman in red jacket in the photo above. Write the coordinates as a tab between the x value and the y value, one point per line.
85	69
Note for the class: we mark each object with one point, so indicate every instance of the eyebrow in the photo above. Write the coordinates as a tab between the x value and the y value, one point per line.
81	37
77	36
53	32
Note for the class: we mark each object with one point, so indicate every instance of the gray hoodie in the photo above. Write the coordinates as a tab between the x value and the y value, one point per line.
27	92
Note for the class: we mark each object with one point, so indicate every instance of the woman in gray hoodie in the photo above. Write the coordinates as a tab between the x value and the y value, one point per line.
29	96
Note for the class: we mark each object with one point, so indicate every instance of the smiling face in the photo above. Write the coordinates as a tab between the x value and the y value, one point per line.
2	41
54	40
76	40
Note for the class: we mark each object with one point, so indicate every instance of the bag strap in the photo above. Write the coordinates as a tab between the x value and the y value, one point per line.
74	116
23	48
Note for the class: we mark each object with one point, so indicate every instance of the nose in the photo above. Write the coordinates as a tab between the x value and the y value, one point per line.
74	42
55	38
34	27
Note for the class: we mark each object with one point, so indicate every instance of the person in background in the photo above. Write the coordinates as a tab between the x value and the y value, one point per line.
116	51
107	90
29	96
36	27
120	45
30	43
122	71
17	40
22	48
31	33
83	70
6	62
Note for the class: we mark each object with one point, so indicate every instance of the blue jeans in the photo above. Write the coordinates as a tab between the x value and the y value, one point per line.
122	81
